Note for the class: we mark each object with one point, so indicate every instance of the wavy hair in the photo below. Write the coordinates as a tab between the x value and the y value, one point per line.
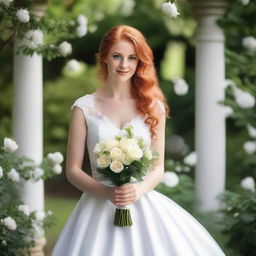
150	100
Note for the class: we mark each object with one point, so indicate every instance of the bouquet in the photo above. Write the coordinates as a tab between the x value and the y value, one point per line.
122	159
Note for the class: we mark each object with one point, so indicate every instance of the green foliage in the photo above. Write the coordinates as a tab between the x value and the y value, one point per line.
239	224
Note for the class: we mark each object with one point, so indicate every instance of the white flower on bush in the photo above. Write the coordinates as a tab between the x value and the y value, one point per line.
1	172
82	20
38	230
10	145
23	15
170	9
135	152
170	179
37	173
178	169
49	212
251	130
191	159
55	158
57	169
10	223
116	166
249	147
6	2
13	175
40	215
4	242
73	66
248	183
116	154
244	2
33	38
244	99
103	161
24	208
187	169
65	48
229	82
81	30
228	111
180	86
249	42
127	7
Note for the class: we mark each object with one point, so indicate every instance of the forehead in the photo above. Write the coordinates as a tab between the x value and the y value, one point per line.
123	47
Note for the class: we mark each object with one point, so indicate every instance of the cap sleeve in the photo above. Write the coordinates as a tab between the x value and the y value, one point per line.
82	103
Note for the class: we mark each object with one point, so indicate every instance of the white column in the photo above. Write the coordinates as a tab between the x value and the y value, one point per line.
210	134
28	122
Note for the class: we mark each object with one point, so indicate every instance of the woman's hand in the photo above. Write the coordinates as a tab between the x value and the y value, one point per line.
125	194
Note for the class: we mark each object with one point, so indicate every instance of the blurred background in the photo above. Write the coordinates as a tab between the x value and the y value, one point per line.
173	44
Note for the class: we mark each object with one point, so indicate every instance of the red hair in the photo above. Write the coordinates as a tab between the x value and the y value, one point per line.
145	87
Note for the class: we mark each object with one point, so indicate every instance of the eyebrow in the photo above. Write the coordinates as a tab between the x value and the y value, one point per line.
134	54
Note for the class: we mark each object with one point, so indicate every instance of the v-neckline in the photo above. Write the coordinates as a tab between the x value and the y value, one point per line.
108	119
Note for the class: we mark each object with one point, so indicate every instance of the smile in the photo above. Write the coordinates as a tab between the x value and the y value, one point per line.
122	72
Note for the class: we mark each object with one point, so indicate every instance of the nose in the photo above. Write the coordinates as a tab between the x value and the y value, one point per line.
123	63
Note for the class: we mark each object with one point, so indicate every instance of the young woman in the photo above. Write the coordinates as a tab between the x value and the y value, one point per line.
129	95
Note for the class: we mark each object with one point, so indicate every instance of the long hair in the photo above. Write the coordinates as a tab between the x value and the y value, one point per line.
145	86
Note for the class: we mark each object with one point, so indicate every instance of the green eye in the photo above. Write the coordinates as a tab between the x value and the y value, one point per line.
132	58
115	56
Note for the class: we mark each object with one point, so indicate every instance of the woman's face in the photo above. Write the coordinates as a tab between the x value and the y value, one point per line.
122	61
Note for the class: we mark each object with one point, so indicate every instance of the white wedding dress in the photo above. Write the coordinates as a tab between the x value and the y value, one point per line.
160	226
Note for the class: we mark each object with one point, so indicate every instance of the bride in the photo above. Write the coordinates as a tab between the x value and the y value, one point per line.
129	95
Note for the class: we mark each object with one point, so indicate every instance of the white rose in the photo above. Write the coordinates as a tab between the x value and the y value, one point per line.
37	173
248	183
170	9
24	208
249	42
125	143
243	99
57	169
73	66
38	231
40	215
170	179
116	154
65	48
109	145
81	31
249	147
178	169
49	212
148	154
23	15
135	152
251	130
98	148
103	161
55	158
116	166
1	172
6	2
126	159
82	20
191	159
33	38
10	223
10	145
14	175
180	86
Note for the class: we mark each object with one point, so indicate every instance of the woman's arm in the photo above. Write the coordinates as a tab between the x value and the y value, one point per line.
75	154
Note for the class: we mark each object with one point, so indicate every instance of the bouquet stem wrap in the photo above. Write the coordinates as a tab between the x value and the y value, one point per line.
123	217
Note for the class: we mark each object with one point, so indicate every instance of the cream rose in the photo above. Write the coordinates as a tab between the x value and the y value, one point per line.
109	145
125	143
103	161
135	152
116	166
148	154
116	154
126	159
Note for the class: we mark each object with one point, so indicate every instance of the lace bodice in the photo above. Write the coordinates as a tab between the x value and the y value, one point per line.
101	128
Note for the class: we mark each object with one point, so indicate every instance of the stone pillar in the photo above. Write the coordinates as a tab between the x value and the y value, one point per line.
27	123
210	133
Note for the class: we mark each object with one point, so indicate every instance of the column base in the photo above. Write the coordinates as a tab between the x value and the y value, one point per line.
37	250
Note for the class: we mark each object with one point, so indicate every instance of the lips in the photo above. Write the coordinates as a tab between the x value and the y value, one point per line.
122	72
